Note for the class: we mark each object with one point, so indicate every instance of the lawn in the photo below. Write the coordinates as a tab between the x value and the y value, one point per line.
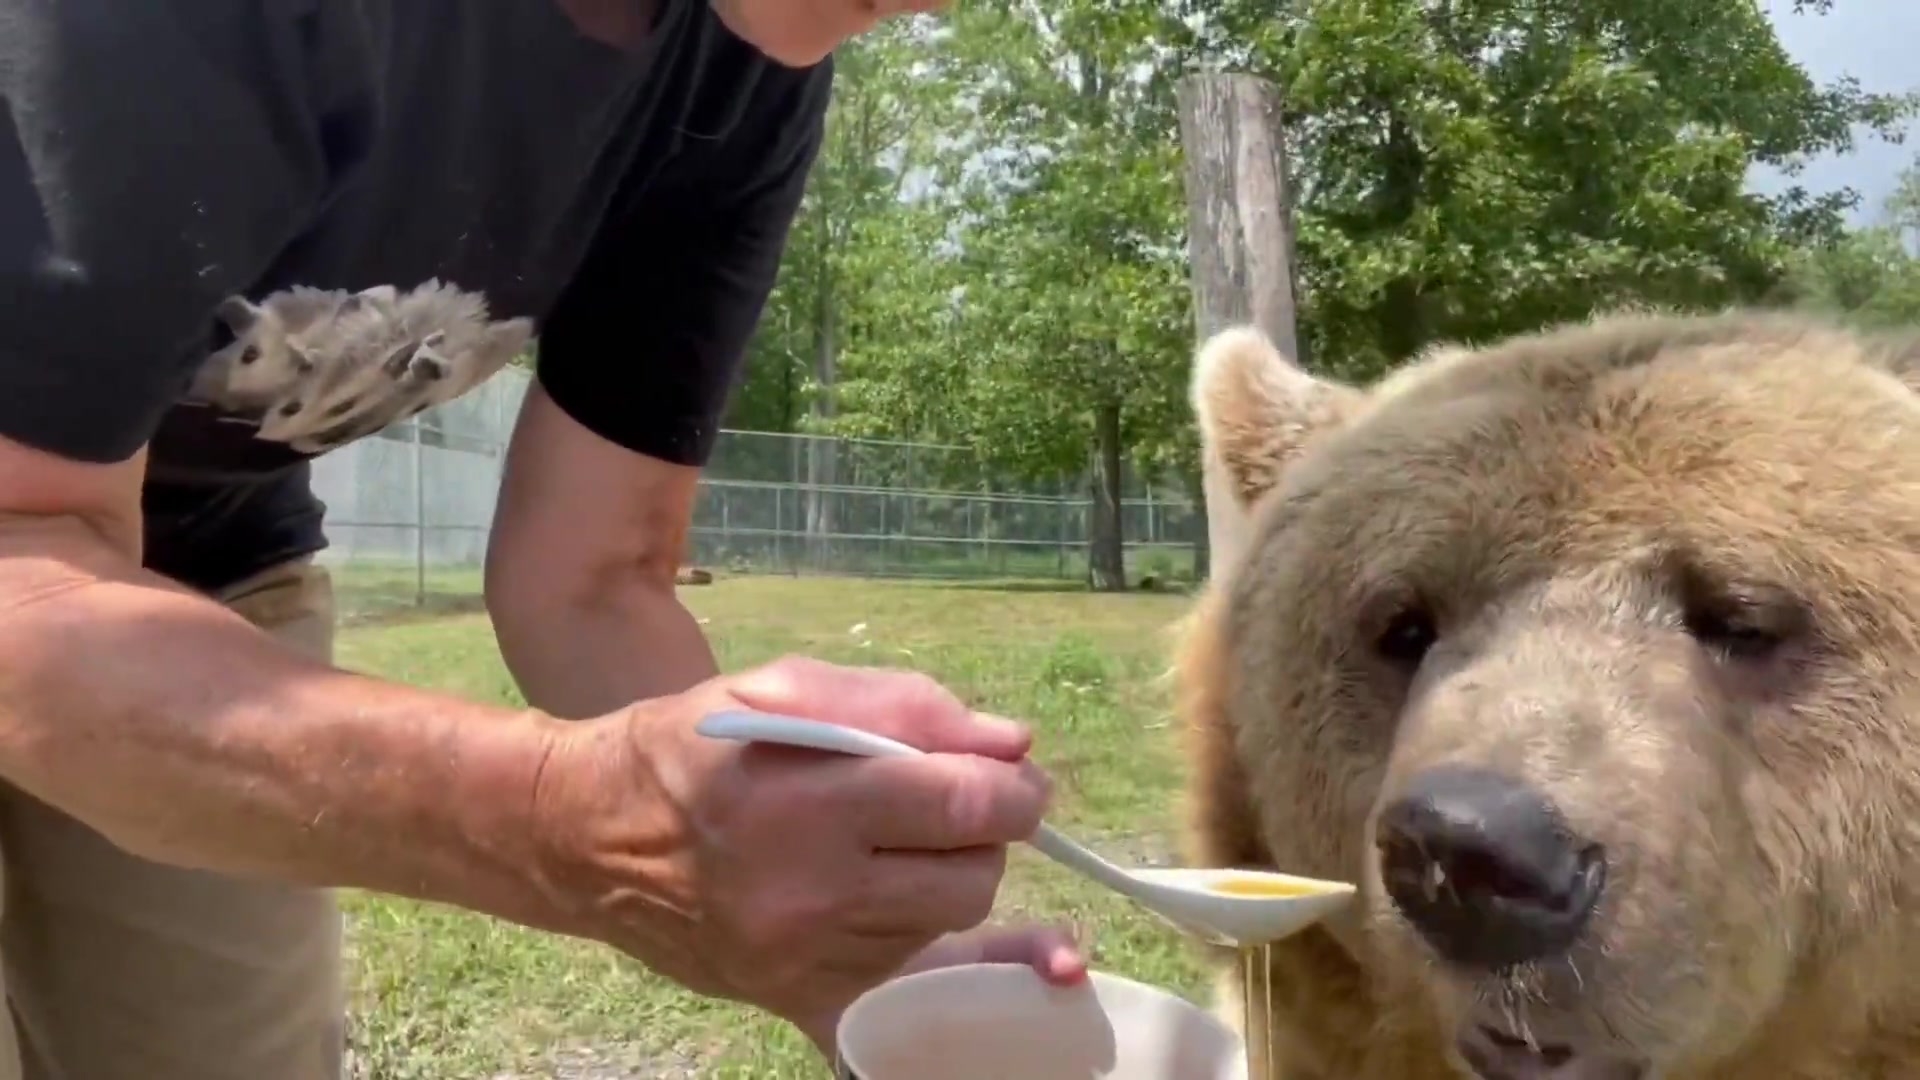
444	995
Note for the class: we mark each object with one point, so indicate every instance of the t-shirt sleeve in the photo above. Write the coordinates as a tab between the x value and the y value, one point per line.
154	158
648	341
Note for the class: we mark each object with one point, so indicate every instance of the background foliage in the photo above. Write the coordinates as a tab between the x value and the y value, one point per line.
992	250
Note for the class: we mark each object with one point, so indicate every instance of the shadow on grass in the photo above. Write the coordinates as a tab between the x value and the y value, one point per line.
1056	586
1011	585
390	609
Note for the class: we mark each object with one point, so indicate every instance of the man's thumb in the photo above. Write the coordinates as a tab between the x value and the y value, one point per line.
904	706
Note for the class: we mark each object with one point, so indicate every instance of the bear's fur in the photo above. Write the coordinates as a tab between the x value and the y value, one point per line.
1671	569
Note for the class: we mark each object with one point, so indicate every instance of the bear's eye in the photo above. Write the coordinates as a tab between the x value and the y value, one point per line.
1738	620
1739	634
1407	637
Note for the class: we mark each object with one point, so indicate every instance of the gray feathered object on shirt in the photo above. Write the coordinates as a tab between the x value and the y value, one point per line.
320	368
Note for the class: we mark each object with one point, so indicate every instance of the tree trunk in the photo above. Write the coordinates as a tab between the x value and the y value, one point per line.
1239	213
1402	310
1106	545
1239	240
789	410
822	451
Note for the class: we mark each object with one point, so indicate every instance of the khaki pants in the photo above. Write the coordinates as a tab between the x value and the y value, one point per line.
117	968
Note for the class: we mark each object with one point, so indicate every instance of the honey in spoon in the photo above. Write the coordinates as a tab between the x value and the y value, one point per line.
1260	887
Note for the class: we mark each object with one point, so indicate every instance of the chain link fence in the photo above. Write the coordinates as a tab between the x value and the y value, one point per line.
409	511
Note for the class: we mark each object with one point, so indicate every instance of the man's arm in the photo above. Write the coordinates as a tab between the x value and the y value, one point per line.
635	369
185	735
581	565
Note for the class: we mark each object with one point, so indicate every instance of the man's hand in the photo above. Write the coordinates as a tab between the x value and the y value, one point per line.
790	879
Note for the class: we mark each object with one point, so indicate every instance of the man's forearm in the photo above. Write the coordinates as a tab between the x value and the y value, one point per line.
185	735
596	652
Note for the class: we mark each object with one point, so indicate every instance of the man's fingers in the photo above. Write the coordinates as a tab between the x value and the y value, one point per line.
1049	951
904	706
945	802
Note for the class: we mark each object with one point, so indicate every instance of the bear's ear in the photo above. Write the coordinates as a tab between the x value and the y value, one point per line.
1903	359
1257	411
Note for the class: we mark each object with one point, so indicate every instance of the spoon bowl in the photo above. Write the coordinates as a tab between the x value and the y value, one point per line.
1233	907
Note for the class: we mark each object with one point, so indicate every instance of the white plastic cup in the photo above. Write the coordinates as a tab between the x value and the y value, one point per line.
1003	1021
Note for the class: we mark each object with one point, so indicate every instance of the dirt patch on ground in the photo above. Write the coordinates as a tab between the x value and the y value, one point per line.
359	611
610	1062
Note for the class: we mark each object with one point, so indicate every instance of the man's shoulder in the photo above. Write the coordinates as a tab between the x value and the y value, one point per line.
729	87
741	122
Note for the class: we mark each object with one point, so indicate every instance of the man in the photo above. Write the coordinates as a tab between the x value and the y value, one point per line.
236	232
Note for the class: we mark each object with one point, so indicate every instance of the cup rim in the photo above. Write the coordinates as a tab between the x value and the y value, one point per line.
1001	969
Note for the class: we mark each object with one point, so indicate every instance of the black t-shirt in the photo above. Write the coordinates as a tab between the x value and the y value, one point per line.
331	160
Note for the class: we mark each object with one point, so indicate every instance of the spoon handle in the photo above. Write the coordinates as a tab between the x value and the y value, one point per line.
747	725
1081	859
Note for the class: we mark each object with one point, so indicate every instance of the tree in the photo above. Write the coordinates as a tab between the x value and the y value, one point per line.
852	253
1063	332
1472	168
1901	210
1871	275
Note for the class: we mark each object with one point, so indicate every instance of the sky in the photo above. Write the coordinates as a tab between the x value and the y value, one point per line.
1874	41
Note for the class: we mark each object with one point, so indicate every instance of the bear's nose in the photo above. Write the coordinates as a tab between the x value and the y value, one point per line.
1486	869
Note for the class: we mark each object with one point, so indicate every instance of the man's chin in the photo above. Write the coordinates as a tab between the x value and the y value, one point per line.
786	34
1495	1051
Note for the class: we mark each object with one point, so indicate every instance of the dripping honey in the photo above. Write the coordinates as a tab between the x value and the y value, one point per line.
1256	972
1256	968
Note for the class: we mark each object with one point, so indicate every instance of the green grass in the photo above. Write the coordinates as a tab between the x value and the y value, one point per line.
372	589
443	994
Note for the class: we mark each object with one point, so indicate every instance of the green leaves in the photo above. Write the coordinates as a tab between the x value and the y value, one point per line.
1869	276
854	272
1478	167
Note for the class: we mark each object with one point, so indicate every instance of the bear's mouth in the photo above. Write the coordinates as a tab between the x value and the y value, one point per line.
1494	1053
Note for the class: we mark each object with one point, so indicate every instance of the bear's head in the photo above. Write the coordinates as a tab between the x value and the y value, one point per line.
1593	657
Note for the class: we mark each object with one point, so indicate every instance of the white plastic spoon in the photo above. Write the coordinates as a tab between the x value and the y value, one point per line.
1261	908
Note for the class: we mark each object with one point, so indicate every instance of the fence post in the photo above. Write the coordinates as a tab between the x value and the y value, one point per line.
794	443
1239	230
1064	509
419	516
779	529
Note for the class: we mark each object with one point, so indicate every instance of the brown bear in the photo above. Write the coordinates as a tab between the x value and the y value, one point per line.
1592	657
